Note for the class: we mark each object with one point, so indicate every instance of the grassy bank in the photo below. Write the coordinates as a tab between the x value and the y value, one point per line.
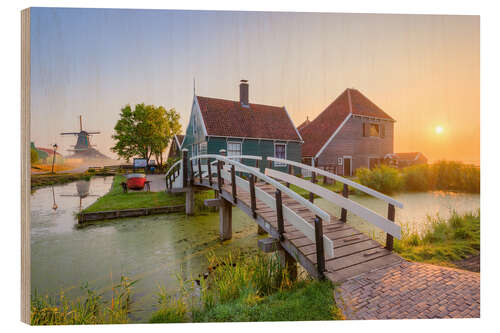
251	289
237	288
116	199
440	176
444	241
86	310
41	180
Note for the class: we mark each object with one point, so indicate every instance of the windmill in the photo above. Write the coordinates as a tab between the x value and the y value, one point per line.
83	148
83	140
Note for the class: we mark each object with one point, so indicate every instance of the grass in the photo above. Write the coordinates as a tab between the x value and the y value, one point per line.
444	241
248	289
116	199
40	167
89	309
47	179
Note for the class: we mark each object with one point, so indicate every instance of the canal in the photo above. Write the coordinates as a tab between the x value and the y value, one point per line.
155	250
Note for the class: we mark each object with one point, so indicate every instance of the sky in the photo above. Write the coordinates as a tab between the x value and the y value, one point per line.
423	70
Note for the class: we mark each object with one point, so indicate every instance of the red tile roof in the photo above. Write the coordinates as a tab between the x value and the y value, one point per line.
48	151
230	119
317	133
303	125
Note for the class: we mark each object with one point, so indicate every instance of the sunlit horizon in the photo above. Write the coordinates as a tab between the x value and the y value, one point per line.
423	70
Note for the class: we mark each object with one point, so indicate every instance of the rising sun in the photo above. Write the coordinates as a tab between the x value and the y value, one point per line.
439	129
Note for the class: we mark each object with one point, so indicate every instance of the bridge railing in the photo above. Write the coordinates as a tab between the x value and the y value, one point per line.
386	224
173	173
226	172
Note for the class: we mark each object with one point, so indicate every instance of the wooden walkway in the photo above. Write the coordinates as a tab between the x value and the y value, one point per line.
355	253
324	245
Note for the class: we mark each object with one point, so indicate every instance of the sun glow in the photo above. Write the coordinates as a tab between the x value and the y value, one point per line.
439	129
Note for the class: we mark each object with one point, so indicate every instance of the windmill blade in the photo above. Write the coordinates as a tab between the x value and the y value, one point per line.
70	133
90	133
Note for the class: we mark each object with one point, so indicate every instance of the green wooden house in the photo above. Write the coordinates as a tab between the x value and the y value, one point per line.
241	128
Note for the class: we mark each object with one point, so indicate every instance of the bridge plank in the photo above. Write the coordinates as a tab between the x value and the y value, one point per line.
346	273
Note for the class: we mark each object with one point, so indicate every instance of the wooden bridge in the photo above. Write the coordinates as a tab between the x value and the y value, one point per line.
326	246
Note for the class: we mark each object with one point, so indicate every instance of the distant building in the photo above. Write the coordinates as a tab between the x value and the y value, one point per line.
45	155
175	148
402	160
241	128
352	132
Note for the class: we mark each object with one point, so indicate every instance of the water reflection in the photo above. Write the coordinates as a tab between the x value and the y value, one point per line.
82	191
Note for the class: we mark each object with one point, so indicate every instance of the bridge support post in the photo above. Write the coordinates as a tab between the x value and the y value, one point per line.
260	230
287	260
225	219
190	202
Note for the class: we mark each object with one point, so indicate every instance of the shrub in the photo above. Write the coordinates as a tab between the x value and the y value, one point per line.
382	178
418	178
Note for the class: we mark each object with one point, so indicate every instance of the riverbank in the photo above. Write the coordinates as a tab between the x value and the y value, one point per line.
47	179
447	242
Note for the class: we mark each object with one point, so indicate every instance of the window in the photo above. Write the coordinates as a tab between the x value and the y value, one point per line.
234	149
280	152
374	130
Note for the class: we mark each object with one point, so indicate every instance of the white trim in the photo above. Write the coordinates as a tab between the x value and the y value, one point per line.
177	141
248	157
274	155
201	115
343	180
350	165
333	135
374	118
352	206
296	130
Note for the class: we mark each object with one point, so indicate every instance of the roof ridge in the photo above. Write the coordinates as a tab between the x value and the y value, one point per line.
237	102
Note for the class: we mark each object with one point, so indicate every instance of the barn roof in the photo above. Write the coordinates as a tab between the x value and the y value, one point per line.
351	101
48	151
179	138
228	118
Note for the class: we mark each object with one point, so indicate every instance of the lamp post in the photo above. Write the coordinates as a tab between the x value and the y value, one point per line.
54	156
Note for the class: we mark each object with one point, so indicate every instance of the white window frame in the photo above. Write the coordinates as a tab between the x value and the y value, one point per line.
236	143
278	164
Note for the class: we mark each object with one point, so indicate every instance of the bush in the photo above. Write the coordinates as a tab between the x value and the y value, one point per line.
417	178
382	178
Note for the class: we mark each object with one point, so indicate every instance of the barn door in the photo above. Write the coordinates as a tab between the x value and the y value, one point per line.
347	166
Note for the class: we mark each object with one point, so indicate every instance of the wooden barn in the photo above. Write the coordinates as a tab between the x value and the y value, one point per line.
352	132
241	128
175	147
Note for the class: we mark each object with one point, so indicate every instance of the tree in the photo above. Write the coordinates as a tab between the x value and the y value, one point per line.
145	131
34	156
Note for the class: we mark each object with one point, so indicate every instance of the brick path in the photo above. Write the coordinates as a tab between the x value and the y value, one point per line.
410	290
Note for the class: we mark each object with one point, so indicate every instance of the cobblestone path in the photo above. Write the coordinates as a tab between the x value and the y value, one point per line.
410	290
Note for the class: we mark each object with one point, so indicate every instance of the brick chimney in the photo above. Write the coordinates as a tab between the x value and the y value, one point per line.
244	92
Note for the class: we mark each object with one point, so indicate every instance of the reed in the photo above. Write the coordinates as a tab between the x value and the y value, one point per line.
91	308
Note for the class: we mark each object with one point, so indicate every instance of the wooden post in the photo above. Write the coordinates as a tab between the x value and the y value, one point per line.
253	201
320	251
288	261
191	181
209	173
225	219
270	164
189	202
279	214
199	170
313	180
343	212
233	183
257	164
391	214
289	172
219	177
184	168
